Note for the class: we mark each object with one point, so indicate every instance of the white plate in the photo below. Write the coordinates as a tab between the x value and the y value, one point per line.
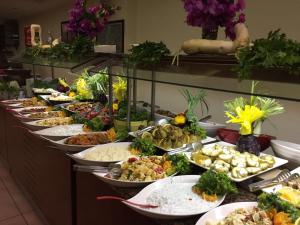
79	157
287	150
70	148
34	126
60	132
173	183
19	110
274	189
278	162
16	105
123	183
26	118
13	101
221	212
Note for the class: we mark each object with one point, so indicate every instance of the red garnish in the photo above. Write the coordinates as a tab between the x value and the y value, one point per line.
131	160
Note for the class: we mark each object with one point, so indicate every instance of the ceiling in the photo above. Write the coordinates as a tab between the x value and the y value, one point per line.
16	9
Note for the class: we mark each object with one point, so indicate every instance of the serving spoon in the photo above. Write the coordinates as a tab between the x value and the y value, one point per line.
144	206
113	170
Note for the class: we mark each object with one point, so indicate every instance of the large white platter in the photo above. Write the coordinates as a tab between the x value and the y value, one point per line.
276	188
19	110
16	105
278	162
180	188
221	212
33	125
70	148
60	132
44	91
13	101
123	183
79	157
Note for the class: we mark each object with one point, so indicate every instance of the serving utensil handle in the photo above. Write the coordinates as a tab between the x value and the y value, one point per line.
83	168
262	184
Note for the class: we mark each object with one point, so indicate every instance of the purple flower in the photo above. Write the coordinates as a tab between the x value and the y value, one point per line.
88	22
213	13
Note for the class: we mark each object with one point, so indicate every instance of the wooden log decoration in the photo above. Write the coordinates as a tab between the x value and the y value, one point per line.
242	39
195	46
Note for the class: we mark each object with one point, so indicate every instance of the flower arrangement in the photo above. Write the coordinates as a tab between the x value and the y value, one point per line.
92	87
209	14
88	21
251	113
188	120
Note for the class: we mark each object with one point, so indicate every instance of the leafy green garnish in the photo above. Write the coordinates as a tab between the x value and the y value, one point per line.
212	183
77	118
147	53
181	163
269	201
146	146
122	134
79	48
194	128
95	124
138	115
275	51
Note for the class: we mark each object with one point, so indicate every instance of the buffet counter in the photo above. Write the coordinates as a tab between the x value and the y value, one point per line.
66	197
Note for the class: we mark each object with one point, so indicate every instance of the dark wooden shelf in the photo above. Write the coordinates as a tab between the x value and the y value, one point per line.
214	64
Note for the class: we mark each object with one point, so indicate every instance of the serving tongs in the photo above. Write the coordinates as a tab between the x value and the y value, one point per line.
283	177
113	170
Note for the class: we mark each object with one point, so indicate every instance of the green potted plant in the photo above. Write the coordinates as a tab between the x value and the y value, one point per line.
138	117
147	54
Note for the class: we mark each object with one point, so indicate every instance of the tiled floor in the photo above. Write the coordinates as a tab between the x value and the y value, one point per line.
15	209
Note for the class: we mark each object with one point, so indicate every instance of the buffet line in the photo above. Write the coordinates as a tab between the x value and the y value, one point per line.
159	157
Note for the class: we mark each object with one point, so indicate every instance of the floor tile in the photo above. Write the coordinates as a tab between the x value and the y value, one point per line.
23	204
18	220
4	172
32	218
10	184
1	184
7	206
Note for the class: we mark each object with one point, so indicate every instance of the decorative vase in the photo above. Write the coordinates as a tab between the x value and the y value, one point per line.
248	143
210	33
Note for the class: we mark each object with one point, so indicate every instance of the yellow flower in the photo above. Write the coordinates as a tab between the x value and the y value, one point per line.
180	119
115	106
245	117
120	88
83	89
72	94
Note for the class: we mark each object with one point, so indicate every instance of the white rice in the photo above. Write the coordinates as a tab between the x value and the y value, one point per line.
63	130
179	199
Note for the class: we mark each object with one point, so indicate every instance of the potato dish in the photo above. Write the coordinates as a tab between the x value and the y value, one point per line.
228	160
80	107
35	109
60	98
56	121
43	90
145	169
92	138
169	136
111	153
33	102
51	114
